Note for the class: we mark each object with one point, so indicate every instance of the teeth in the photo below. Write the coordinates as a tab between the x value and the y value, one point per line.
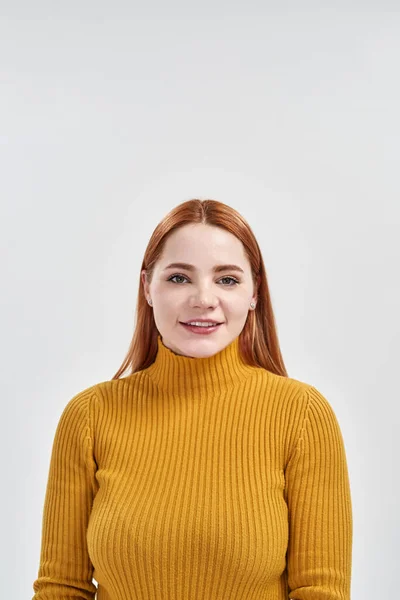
198	324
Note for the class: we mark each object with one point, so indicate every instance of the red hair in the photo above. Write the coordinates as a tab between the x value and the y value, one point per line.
258	341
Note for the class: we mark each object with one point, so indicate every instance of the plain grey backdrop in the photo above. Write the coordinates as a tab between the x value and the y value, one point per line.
111	113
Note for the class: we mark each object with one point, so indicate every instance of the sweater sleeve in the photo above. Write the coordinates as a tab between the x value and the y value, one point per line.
65	569
319	555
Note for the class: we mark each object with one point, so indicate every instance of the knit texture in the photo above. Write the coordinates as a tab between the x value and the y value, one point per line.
197	479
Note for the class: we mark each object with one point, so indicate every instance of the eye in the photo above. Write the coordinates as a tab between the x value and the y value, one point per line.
173	277
235	281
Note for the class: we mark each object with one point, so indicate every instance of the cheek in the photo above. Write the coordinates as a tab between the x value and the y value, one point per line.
170	301
236	305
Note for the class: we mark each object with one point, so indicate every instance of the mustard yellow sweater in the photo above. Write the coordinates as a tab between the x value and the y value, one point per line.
197	478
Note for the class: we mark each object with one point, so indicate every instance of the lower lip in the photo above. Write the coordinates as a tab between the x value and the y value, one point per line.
201	330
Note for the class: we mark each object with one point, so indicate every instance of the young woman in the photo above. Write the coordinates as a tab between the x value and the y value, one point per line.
206	472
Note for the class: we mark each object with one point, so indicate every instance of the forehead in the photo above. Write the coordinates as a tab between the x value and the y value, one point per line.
204	243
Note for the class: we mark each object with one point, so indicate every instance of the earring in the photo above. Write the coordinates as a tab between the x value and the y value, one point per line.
150	302
252	305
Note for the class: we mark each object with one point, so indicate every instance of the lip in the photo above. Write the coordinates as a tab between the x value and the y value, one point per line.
201	330
202	321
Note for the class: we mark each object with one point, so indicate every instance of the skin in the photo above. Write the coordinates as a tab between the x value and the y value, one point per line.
200	293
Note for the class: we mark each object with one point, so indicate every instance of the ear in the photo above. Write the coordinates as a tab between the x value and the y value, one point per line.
145	284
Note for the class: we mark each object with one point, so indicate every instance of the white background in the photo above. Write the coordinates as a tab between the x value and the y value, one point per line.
113	113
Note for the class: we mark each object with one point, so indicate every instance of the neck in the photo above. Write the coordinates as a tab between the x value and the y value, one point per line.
180	374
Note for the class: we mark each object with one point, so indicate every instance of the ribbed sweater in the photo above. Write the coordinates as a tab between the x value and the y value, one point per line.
197	479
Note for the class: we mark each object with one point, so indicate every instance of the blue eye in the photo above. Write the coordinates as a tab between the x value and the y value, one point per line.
235	281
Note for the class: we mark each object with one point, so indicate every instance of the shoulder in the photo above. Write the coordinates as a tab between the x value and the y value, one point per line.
283	390
104	394
295	399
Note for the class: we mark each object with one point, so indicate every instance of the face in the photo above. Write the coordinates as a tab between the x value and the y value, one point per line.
181	294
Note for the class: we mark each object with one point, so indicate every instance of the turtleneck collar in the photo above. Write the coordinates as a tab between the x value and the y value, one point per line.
176	373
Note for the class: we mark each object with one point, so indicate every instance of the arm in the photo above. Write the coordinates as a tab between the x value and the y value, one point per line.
65	569
319	556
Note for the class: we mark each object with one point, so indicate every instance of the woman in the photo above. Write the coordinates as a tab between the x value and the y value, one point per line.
206	472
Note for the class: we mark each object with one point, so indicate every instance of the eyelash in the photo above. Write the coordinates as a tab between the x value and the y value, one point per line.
236	282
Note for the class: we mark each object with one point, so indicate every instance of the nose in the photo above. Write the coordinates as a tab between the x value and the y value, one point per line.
203	299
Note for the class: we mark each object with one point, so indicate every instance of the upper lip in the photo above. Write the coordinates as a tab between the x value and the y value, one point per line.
202	321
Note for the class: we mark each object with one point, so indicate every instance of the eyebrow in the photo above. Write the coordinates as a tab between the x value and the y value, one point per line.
216	269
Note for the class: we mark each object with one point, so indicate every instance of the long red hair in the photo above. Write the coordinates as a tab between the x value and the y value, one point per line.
258	341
